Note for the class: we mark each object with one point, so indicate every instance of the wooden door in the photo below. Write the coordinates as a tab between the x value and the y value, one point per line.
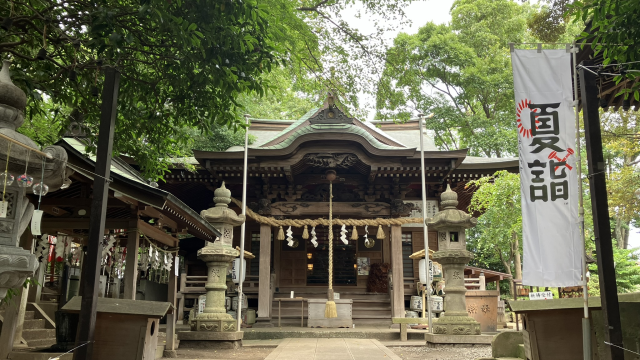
293	265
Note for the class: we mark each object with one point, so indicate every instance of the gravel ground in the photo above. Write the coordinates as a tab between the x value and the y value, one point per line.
446	352
244	353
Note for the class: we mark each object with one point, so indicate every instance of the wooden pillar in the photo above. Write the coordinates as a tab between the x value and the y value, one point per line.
386	246
600	211
131	270
171	315
264	287
35	292
91	277
396	267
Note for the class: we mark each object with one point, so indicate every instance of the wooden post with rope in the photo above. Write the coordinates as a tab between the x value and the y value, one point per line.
330	310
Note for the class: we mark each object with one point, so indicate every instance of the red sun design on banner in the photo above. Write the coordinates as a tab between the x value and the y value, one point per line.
523	112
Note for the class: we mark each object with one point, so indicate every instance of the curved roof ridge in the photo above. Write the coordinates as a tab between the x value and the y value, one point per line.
289	128
343	128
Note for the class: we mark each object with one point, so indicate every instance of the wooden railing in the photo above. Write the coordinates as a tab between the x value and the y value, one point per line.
193	284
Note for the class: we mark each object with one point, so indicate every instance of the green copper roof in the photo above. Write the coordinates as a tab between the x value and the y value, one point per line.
297	123
314	129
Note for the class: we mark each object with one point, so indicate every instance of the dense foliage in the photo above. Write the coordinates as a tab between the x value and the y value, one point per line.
183	63
186	63
614	28
499	230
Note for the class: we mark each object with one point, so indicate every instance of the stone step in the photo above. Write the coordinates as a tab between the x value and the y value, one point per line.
33	324
35	334
29	315
41	343
351	333
37	355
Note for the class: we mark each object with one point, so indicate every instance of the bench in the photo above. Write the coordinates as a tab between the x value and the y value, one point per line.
403	325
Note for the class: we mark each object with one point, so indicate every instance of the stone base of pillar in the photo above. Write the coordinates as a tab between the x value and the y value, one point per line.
172	354
263	323
456	325
438	340
210	339
214	325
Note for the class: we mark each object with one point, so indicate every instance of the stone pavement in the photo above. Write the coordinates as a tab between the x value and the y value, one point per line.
331	349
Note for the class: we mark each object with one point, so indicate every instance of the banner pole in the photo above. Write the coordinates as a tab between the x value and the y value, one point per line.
243	227
424	224
586	326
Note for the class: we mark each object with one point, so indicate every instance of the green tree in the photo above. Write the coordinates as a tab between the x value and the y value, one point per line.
499	229
462	73
620	139
186	63
627	272
613	26
183	63
286	99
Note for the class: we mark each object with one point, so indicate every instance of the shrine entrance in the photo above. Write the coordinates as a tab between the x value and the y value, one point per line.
344	260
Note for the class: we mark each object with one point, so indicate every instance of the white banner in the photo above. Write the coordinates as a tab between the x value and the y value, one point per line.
549	185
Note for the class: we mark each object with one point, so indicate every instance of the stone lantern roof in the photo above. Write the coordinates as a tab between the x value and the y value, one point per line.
450	216
221	214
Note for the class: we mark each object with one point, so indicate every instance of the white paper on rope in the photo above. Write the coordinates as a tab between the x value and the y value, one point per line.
549	184
36	220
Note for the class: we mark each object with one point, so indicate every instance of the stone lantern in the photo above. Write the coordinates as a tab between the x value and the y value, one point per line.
16	264
214	324
452	254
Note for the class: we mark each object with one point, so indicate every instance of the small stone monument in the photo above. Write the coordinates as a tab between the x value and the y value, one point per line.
19	176
452	254
214	328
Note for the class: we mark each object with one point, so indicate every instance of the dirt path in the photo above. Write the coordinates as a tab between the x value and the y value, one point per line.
443	353
245	353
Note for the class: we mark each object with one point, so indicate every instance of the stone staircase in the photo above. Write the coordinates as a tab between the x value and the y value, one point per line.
367	308
36	331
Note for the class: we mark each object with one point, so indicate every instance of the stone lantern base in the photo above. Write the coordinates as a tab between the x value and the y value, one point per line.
456	325
210	339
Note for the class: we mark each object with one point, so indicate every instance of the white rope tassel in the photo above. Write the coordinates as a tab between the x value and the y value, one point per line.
343	235
289	237
314	239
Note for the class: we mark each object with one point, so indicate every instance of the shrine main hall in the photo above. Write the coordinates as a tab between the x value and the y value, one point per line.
378	177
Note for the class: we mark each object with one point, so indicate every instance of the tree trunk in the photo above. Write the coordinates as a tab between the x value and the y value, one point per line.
507	266
516	256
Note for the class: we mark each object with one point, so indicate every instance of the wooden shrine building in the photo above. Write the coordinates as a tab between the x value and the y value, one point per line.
378	169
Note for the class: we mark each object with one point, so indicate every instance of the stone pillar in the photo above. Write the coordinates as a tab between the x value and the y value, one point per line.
452	254
11	316
398	276
264	289
131	270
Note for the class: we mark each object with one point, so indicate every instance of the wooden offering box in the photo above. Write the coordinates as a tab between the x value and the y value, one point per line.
125	329
316	314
